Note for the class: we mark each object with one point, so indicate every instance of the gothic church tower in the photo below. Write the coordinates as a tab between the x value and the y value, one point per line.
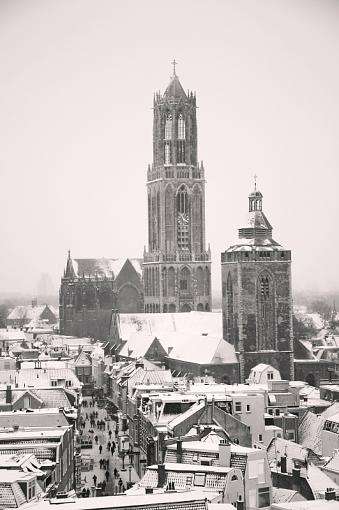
257	296
176	266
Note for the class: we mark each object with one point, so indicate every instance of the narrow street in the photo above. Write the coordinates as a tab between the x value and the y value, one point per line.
113	485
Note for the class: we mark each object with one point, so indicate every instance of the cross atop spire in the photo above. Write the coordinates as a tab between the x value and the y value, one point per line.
174	63
255	182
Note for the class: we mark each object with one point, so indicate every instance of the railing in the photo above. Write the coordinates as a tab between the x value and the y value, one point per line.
179	256
176	172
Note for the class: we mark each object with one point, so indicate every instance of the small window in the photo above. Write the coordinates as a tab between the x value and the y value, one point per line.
238	407
270	376
260	438
264	497
290	435
248	408
54	383
199	479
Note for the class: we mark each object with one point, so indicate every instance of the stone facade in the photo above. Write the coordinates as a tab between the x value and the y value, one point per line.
256	296
91	288
176	266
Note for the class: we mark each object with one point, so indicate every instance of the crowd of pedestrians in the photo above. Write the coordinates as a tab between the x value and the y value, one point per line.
96	424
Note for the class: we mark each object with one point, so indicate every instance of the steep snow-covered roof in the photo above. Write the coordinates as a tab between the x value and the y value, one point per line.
158	324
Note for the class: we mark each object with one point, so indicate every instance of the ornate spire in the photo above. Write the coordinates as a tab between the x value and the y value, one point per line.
175	89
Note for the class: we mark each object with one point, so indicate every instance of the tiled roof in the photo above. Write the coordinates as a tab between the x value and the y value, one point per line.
159	324
330	411
38	377
12	335
284	495
49	397
310	427
279	447
104	267
182	475
29	312
318	480
36	418
333	463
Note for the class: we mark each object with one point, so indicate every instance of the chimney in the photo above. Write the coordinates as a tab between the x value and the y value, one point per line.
224	453
240	505
330	494
8	394
296	472
296	478
179	450
161	475
283	464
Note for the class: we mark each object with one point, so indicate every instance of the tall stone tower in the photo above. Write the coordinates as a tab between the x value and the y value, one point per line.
257	296
176	266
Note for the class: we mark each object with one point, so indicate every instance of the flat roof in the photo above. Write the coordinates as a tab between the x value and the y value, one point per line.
124	501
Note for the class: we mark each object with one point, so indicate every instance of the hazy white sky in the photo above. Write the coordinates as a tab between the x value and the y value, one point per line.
76	91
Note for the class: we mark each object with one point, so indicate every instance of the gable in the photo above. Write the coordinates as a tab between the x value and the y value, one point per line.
128	274
155	351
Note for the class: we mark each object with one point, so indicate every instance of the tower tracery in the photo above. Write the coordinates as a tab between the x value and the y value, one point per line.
176	258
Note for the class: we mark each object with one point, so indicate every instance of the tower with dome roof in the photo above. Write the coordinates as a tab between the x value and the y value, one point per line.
257	296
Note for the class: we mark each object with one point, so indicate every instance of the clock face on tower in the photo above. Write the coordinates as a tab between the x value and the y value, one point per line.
183	219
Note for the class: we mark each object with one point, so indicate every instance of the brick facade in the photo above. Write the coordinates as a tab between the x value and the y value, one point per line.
256	296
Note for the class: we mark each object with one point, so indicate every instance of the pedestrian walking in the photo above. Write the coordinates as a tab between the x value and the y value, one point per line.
100	462
88	492
110	433
103	486
100	449
109	445
95	480
116	473
107	475
107	463
96	439
120	483
112	450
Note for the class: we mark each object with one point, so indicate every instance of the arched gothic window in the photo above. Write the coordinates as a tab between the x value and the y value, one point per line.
185	280
168	127
167	153
171	282
183	226
266	312
181	127
200	281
